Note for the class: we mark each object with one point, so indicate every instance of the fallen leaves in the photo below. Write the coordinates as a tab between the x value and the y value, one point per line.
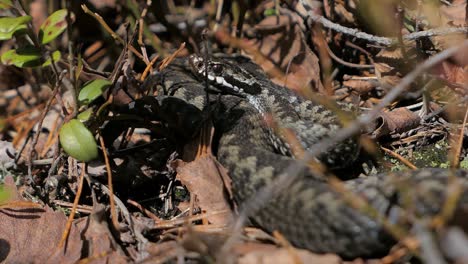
202	178
205	178
31	235
282	41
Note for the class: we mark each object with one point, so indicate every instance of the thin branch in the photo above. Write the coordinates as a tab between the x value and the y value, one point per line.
345	63
111	32
32	151
400	158
68	226
376	39
443	31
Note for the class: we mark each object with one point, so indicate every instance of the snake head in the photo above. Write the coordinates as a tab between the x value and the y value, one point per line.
228	77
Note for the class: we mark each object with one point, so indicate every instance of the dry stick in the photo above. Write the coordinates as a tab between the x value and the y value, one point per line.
454	187
39	126
115	221
111	32
169	59
66	232
400	158
144	210
291	173
149	68
443	31
70	57
345	63
459	143
141	27
376	39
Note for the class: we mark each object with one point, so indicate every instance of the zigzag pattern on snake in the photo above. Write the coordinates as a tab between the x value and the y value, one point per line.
309	213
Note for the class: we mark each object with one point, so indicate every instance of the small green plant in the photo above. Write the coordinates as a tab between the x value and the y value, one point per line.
78	141
92	90
33	52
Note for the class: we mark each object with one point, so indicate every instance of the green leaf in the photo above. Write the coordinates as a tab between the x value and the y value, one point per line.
23	57
56	55
27	57
78	141
10	25
53	26
92	90
5	4
21	29
85	115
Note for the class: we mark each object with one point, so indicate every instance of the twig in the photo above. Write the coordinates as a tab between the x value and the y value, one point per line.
400	158
169	59
443	31
66	232
456	149
111	32
345	63
71	66
39	126
376	39
369	117
454	187
115	221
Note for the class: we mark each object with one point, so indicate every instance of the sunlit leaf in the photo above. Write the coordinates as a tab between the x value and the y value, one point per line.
23	57
27	57
53	26
85	115
78	141
10	25
56	55
92	90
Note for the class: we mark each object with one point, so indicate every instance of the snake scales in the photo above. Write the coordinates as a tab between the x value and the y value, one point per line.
309	213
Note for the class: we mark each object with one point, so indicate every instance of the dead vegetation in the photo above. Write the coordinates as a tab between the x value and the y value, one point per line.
147	199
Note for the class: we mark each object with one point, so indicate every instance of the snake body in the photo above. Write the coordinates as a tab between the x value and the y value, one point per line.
309	212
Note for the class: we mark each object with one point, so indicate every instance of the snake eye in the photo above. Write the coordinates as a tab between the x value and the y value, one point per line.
217	68
199	64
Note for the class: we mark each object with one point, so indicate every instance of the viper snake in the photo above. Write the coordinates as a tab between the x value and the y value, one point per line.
309	212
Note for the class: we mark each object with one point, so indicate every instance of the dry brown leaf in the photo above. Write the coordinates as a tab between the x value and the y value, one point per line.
281	40
455	13
31	235
386	64
453	73
397	121
359	85
204	178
